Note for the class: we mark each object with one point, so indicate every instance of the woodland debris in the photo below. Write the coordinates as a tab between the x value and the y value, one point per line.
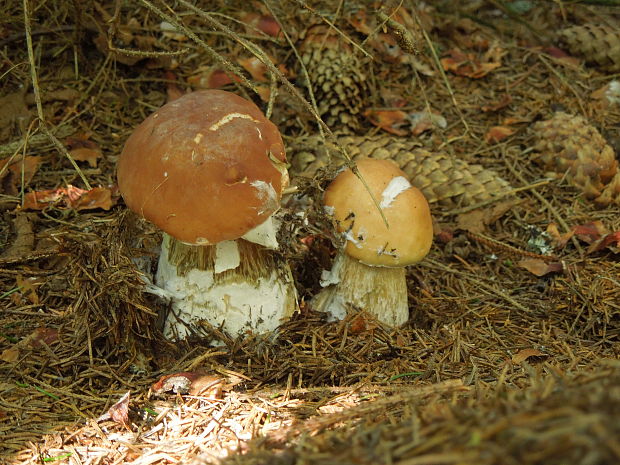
598	44
570	146
442	178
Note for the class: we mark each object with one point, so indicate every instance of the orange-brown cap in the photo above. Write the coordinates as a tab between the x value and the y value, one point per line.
409	236
204	168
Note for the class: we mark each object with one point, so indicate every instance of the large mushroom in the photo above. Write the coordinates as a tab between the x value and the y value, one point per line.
368	272
208	169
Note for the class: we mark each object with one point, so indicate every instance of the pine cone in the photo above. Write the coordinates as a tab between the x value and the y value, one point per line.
338	81
444	180
568	144
597	44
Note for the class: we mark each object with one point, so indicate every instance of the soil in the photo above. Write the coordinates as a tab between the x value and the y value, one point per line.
511	351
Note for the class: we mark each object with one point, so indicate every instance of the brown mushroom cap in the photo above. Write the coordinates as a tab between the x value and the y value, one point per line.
410	234
204	168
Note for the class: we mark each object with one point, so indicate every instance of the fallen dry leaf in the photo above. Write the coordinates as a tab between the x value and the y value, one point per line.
467	65
362	323
10	355
539	267
264	23
559	239
590	232
28	288
255	67
173	91
502	103
610	241
24	240
497	134
190	382
70	197
82	149
211	79
389	120
561	57
40	337
476	220
119	412
11	173
524	354
423	121
13	109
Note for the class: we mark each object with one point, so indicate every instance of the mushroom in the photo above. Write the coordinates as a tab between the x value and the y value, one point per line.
208	169
368	272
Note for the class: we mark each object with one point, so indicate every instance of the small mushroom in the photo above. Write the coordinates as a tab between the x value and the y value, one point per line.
368	272
208	169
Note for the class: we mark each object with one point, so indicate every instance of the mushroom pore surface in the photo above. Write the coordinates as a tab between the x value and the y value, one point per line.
409	236
204	168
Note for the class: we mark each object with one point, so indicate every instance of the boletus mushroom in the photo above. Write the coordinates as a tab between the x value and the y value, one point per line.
368	272
208	169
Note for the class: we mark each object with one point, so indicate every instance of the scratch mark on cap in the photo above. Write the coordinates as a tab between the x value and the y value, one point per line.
228	118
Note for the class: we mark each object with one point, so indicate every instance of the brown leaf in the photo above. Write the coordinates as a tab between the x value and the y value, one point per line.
610	241
119	412
467	65
40	337
212	79
476	220
264	23
558	239
497	134
70	197
388	120
540	267
83	149
11	175
28	288
189	382
524	354
97	197
590	232
424	120
13	109
361	323
561	57
173	91
10	355
359	21
502	103
255	67
24	240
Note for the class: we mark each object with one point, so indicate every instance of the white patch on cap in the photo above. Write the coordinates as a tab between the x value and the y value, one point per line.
267	195
264	234
198	137
228	118
260	134
397	186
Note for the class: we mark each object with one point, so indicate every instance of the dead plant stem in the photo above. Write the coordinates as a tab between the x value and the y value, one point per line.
37	97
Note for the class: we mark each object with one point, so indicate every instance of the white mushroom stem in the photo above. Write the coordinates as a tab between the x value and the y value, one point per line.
234	285
354	286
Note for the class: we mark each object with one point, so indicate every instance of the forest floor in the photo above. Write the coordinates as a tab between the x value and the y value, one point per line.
511	351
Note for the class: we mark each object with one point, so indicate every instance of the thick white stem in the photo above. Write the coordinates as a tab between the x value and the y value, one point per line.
353	286
237	286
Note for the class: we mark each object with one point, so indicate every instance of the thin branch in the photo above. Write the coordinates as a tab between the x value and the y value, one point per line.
37	97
